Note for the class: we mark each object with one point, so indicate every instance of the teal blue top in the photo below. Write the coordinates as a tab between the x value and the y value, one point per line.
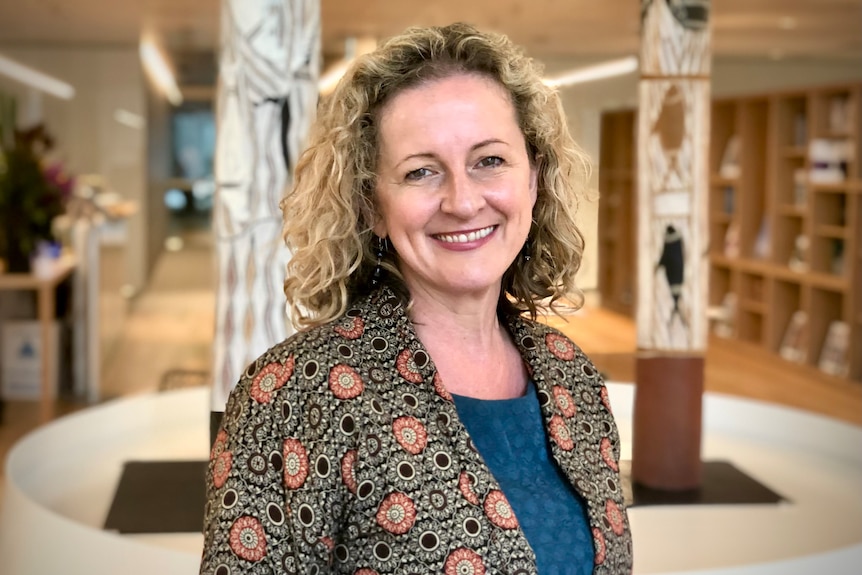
511	438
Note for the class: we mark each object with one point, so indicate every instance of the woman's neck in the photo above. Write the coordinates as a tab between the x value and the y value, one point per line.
473	352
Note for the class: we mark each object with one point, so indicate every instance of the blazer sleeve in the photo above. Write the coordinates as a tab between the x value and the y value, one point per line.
259	459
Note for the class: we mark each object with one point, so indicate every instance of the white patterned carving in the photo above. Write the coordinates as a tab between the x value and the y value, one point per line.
269	64
673	176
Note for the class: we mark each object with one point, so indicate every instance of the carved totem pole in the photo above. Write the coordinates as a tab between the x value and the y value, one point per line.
267	95
673	139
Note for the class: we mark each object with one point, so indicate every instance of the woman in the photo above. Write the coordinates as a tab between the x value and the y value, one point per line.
418	423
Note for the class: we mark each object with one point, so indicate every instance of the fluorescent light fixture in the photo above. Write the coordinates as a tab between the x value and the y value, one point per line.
158	69
596	72
36	79
353	48
330	78
129	119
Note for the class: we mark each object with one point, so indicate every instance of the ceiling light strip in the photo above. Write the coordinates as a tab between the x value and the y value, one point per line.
36	79
595	72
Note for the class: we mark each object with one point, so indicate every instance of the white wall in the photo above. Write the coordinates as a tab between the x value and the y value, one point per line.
88	138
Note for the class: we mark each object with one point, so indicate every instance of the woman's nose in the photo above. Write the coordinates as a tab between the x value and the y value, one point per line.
462	197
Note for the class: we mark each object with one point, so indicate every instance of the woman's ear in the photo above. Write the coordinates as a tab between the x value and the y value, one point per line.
379	228
535	166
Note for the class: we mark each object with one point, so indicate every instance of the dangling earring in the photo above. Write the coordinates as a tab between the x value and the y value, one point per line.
378	271
527	250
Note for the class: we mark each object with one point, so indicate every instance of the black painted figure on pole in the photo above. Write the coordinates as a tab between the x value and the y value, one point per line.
673	261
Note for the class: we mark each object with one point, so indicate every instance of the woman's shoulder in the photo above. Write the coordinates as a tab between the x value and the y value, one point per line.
339	339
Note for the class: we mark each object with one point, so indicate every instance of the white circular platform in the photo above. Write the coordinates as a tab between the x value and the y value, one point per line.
61	479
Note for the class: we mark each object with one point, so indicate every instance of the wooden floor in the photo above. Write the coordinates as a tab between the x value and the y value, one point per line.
169	330
609	339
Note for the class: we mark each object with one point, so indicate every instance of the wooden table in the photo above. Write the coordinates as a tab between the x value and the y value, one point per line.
45	286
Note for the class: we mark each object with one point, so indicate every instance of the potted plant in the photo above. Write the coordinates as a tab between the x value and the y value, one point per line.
31	196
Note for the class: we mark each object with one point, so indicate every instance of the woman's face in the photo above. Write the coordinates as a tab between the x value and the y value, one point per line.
455	186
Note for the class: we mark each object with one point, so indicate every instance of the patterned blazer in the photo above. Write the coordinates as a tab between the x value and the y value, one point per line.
341	452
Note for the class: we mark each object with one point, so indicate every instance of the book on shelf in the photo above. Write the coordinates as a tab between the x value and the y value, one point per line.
731	240
828	159
837	261
724	316
800	129
728	197
800	187
729	167
795	342
834	358
799	256
762	245
840	112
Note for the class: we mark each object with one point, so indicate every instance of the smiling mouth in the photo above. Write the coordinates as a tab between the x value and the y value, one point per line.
464	238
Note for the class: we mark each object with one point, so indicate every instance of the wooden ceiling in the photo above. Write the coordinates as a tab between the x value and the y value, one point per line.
550	29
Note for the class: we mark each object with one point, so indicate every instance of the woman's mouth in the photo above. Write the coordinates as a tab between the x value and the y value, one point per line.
464	238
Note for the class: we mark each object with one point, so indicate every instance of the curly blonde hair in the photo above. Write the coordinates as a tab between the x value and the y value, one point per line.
330	211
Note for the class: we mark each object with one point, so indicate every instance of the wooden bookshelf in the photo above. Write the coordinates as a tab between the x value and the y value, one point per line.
785	219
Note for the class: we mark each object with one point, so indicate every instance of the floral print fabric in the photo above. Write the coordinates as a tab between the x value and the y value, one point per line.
342	452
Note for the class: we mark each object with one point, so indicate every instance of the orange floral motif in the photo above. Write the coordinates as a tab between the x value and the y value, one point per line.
354	331
221	468
464	561
560	346
247	540
560	433
565	401
605	400
396	513
499	511
466	487
601	547
347	475
344	382
407	367
608	454
440	388
295	463
271	378
365	571
614	517
218	444
410	434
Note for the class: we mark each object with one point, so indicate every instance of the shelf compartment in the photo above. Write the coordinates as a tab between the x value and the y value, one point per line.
751	288
830	208
826	307
786	243
829	256
793	121
749	326
753	306
795	152
786	300
834	232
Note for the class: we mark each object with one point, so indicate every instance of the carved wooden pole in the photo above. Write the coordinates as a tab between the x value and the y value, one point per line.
673	140
267	95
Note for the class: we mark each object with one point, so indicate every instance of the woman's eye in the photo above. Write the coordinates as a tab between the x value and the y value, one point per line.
415	175
491	161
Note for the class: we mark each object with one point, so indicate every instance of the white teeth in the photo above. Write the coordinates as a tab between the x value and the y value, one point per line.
464	238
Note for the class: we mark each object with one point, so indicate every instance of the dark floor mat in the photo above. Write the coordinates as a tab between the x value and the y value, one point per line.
159	497
723	484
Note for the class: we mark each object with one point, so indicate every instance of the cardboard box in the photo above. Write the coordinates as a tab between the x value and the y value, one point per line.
21	360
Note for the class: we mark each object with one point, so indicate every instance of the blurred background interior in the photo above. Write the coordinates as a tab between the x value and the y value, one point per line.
137	156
